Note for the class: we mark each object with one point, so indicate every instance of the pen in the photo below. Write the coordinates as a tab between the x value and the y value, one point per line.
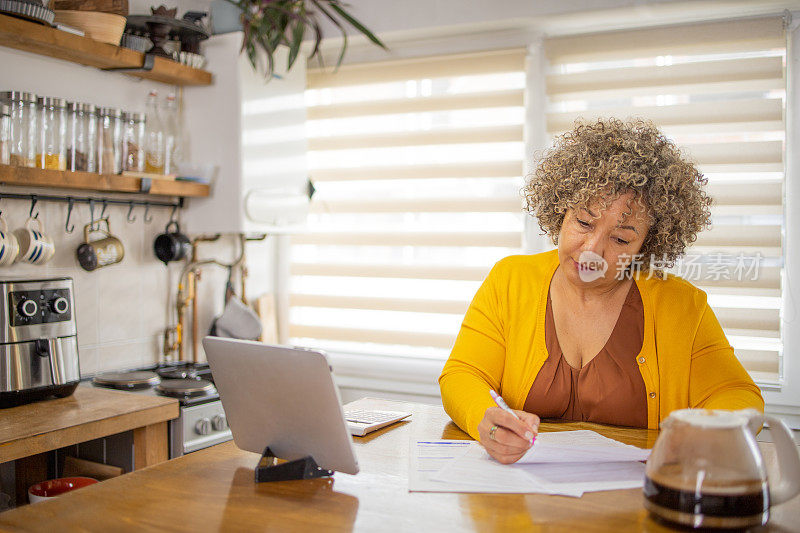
501	403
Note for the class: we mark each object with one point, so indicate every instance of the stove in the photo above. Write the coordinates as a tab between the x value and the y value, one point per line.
202	421
142	379
186	389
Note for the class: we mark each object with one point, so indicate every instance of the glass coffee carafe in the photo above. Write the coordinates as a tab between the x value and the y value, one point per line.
706	469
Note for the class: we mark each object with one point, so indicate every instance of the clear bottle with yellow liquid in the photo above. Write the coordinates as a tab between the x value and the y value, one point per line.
153	137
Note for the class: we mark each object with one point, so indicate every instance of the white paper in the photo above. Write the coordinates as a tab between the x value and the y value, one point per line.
427	458
588	477
582	446
491	476
567	463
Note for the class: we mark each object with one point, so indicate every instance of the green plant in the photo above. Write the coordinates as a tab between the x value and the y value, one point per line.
269	23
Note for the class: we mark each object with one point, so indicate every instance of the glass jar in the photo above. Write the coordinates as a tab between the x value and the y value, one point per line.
24	127
90	130
109	145
5	134
76	152
133	142
52	151
81	137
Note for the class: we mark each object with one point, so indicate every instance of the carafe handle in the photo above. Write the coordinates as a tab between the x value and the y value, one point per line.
787	483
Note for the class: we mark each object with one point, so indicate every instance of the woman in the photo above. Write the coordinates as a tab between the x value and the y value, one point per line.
592	331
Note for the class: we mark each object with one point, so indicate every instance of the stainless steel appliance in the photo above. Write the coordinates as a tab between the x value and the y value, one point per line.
202	421
38	340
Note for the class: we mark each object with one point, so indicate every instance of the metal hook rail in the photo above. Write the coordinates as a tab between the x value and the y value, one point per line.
34	198
72	200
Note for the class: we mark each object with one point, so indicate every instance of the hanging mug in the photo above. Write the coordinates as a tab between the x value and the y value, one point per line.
172	245
93	254
9	247
34	246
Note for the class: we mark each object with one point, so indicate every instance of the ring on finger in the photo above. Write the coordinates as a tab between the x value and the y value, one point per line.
492	431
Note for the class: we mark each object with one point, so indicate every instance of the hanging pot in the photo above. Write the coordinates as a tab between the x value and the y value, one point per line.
172	245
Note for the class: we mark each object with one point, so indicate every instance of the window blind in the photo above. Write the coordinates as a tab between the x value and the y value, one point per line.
718	90
418	169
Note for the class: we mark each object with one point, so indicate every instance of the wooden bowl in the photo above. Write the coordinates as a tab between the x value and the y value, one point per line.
103	27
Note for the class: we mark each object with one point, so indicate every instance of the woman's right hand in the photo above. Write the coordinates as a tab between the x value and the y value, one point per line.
511	438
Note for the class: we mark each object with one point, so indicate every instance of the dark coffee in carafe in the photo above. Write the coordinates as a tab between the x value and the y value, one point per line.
731	504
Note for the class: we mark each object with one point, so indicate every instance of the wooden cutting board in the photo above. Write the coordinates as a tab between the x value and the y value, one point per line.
118	7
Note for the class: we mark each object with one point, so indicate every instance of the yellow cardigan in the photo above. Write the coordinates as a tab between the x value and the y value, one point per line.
685	361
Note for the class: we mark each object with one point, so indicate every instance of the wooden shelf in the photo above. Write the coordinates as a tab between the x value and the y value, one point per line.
89	181
50	42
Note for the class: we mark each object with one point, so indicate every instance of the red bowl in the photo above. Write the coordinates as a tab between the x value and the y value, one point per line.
56	487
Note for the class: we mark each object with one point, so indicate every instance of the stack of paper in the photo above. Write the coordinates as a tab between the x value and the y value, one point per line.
428	458
582	446
568	463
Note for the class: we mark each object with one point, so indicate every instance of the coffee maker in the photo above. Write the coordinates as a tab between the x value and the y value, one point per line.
38	340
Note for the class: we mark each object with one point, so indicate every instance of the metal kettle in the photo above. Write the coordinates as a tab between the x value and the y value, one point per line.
706	469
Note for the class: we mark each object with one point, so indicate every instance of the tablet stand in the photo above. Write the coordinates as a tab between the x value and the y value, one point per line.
304	468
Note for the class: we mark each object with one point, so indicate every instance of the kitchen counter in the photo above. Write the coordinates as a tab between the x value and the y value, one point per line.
88	414
213	489
27	432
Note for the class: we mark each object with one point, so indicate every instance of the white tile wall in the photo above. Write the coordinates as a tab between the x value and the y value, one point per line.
122	309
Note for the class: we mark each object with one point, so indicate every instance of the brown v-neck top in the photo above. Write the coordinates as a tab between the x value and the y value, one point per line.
609	389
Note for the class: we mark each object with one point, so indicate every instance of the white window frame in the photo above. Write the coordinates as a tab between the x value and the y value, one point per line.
784	400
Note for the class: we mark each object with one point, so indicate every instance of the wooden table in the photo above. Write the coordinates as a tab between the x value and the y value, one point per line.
213	490
29	431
